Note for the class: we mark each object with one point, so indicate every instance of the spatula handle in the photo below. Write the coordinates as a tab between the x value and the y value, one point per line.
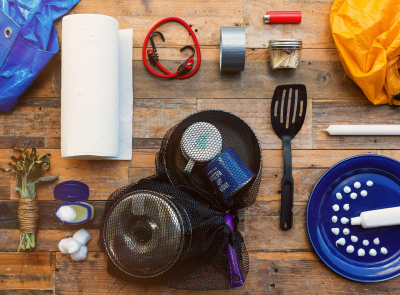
287	187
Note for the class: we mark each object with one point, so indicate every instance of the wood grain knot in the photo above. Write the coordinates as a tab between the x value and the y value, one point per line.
324	77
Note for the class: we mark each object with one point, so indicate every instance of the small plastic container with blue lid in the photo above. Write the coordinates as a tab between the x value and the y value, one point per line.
75	211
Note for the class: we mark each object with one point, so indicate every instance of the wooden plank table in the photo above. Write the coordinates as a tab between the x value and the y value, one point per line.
280	262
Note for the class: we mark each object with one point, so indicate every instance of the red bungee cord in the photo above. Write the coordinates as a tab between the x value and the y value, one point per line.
186	66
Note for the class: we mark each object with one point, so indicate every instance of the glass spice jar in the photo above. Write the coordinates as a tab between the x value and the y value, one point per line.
285	53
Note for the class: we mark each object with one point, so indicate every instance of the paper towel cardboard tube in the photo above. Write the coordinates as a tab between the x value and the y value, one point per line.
96	88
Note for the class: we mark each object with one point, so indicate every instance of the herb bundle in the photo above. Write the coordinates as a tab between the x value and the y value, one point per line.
27	170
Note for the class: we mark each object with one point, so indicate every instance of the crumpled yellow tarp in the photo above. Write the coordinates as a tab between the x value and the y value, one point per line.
367	36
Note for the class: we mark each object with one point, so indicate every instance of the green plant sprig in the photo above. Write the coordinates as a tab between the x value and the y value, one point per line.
27	170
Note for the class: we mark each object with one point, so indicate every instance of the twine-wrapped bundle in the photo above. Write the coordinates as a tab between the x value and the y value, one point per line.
27	170
28	214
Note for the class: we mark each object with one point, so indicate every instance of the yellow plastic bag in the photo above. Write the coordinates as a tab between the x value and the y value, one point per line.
367	36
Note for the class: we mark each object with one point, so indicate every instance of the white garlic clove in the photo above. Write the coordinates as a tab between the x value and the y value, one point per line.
346	207
335	231
72	246
369	183
344	220
334	219
361	252
81	254
339	196
346	231
335	207
82	236
347	189
357	184
372	252
365	242
363	193
376	241
350	249
354	239
353	196
384	251
341	242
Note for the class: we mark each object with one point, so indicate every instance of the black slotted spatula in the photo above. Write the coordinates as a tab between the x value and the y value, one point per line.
288	111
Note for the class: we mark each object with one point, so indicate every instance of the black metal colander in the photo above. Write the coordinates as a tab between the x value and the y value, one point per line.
173	161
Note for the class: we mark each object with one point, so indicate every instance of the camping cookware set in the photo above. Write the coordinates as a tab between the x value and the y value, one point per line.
181	224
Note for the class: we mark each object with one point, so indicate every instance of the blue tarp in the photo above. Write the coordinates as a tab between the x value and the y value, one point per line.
28	41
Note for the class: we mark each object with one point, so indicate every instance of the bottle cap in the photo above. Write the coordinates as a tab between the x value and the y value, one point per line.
356	221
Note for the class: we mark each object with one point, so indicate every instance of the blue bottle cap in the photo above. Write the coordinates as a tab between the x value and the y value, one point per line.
71	191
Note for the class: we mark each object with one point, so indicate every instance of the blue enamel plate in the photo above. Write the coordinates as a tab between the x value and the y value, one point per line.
384	173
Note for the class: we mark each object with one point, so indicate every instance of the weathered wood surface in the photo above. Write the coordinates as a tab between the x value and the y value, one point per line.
110	175
5	179
38	122
206	17
325	80
256	112
271	273
280	262
326	113
27	271
48	83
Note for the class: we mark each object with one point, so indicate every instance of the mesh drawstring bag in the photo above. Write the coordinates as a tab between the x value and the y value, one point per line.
156	233
235	133
172	229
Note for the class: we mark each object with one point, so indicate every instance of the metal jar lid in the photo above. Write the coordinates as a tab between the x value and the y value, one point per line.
285	43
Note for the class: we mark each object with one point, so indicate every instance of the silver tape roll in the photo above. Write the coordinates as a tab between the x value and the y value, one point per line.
232	49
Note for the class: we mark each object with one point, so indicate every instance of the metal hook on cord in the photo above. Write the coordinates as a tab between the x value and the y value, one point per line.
152	41
185	67
193	51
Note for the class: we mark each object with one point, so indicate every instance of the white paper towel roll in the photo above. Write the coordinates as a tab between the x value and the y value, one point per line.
96	88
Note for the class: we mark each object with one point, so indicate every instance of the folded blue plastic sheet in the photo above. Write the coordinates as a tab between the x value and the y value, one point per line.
28	41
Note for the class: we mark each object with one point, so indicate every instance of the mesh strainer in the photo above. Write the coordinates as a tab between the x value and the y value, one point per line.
171	161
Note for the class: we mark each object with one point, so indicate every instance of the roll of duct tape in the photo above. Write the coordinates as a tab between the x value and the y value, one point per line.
232	49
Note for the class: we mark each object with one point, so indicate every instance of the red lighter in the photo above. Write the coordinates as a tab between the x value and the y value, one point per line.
282	17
